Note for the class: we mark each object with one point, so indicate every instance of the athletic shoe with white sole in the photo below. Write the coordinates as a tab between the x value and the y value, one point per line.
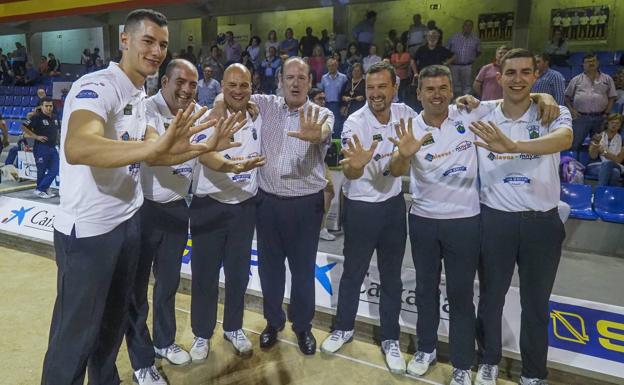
174	354
42	194
394	358
420	363
199	349
532	381
460	377
335	340
486	375
325	235
148	376
240	342
50	192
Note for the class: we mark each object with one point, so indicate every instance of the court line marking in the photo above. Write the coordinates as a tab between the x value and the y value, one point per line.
356	360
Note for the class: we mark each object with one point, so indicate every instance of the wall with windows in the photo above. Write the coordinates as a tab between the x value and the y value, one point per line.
68	45
7	42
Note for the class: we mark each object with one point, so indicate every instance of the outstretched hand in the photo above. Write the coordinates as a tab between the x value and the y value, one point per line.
493	138
177	137
222	136
407	144
310	127
355	156
248	164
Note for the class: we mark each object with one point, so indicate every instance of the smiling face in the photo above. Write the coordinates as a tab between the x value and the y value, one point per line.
296	81
145	47
180	86
517	78
236	86
435	94
380	91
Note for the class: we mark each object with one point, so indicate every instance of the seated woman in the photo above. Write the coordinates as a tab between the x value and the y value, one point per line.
607	149
557	48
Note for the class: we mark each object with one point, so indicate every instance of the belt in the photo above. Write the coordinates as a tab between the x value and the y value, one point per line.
524	214
462	64
591	113
288	198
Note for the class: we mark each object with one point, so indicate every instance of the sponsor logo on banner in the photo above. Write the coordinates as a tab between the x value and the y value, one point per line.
27	218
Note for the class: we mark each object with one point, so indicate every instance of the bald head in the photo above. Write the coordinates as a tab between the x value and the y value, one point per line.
179	84
177	64
236	67
236	85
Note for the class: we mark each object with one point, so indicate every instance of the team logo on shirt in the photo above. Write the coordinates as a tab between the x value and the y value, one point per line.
491	156
428	142
128	109
45	122
459	126
378	137
528	156
377	157
199	138
456	169
429	157
463	146
87	94
534	131
254	133
125	136
516	179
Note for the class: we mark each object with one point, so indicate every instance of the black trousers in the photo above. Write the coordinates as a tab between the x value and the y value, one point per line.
533	241
222	236
456	243
94	285
164	233
368	227
288	228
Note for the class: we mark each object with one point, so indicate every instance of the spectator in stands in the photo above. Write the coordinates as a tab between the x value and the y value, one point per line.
190	55
270	66
618	80
401	60
5	134
232	49
467	47
389	43
324	42
431	24
54	66
85	59
332	84
254	52
364	32
19	59
32	75
21	145
44	128
271	42
548	80
353	56
215	62
5	71
371	59
43	66
207	88
486	84
431	53
557	48
95	55
590	97
256	83
343	67
607	148
417	35
317	63
289	46
246	61
307	43
353	92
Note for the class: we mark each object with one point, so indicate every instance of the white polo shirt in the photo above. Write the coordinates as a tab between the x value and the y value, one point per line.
233	188
376	184
443	173
96	200
164	184
521	182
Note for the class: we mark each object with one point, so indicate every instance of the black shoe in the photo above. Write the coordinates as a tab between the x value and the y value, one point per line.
268	337
307	342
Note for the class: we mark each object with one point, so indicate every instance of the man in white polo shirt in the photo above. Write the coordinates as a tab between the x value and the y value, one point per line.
444	218
97	231
223	217
374	214
518	171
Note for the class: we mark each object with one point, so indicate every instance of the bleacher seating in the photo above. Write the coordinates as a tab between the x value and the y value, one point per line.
579	197
609	203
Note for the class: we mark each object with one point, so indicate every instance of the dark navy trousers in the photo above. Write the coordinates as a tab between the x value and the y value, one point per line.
368	227
222	236
94	286
164	233
47	161
288	228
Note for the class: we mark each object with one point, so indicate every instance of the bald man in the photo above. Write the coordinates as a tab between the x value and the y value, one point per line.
222	217
164	232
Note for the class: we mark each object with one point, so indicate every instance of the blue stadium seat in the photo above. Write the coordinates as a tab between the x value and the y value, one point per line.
2	99
3	90
609	203
15	128
605	57
24	111
617	56
34	100
583	157
576	58
570	153
578	196
610	70
32	90
6	110
16	112
25	101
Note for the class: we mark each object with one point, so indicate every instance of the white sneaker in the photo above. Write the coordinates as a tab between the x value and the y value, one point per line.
419	364
50	192
394	358
532	381
460	377
240	342
42	194
325	235
335	340
174	354
486	375
148	376
199	349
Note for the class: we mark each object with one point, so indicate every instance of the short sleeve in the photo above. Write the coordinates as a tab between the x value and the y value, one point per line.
569	91
483	109
97	96
30	123
348	129
481	74
564	120
612	92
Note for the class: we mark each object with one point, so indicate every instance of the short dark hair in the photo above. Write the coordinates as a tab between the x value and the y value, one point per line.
434	71
590	55
517	53
371	14
544	56
46	99
383	66
176	63
136	16
314	92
